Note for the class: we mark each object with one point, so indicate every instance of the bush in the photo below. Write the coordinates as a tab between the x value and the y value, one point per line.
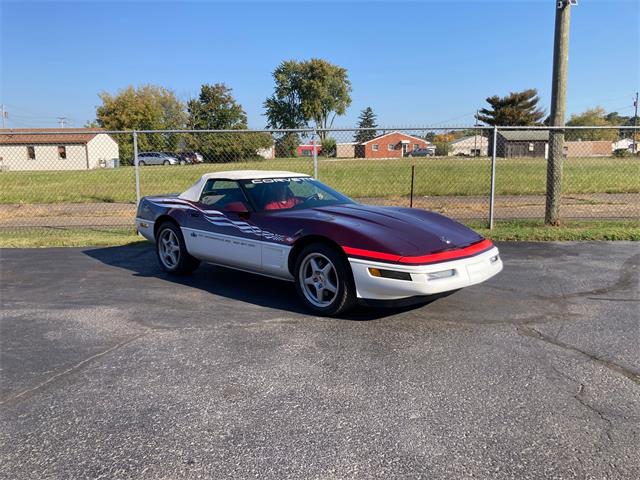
329	147
442	149
287	145
621	153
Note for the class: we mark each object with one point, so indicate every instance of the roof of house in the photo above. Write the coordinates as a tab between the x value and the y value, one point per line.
470	138
393	133
525	135
21	136
193	193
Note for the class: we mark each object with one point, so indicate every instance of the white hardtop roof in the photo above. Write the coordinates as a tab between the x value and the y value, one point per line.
193	193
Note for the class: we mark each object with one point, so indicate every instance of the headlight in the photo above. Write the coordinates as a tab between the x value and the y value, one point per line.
441	274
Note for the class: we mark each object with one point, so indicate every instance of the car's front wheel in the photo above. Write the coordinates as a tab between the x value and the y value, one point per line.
323	280
172	252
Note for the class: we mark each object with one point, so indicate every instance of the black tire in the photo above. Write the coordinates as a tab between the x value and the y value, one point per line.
166	162
183	162
332	303
141	163
184	263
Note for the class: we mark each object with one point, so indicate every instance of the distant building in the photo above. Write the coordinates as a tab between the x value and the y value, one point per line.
58	149
624	144
471	146
267	153
588	148
307	150
390	145
521	143
346	150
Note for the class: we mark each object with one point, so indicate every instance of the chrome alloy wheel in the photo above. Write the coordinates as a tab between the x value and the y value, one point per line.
318	279
169	248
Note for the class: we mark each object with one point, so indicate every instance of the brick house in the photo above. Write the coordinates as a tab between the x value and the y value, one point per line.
306	150
390	145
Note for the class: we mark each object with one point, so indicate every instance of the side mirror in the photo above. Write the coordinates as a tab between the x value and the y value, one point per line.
236	207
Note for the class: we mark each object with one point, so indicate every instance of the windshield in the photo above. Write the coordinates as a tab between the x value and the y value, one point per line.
293	193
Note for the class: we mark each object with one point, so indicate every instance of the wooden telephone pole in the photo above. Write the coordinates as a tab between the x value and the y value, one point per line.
558	106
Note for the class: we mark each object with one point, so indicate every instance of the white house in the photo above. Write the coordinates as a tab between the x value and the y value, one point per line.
472	146
57	149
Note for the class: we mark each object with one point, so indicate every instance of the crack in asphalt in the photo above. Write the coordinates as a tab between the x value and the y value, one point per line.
533	333
597	411
24	394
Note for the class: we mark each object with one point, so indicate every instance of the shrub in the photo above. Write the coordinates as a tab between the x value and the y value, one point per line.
621	152
287	145
329	147
442	149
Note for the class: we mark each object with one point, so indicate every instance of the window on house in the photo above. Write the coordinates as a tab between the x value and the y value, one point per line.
306	152
31	153
391	147
62	152
531	146
375	147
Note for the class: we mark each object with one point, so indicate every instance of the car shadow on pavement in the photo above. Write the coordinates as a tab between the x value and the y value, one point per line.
140	259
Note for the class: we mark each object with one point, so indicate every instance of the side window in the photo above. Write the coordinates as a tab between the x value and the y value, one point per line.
62	152
375	147
31	153
225	195
302	189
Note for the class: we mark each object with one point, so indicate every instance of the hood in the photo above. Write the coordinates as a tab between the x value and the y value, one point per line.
404	231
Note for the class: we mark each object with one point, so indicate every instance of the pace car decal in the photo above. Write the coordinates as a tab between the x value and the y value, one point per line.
219	219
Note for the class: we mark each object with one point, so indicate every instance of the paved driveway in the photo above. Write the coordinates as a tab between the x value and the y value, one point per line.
110	369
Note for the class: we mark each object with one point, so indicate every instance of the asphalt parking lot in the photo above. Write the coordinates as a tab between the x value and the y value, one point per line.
111	369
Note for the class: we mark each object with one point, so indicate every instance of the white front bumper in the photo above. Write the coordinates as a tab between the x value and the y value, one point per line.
467	271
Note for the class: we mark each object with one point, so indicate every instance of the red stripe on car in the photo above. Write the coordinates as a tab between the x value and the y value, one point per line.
423	259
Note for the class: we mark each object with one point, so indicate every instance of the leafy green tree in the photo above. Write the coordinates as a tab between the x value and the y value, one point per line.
517	108
367	119
149	107
308	91
592	117
217	109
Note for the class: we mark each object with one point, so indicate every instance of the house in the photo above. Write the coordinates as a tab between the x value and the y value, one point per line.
471	146
521	143
57	149
390	145
346	150
307	150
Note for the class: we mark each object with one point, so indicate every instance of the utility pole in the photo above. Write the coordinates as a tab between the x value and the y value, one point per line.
635	124
558	105
5	115
62	121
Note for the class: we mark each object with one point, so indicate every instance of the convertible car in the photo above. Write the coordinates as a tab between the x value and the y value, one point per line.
290	226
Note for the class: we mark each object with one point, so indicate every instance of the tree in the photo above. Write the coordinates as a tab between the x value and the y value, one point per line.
312	90
592	117
517	108
217	109
148	107
367	119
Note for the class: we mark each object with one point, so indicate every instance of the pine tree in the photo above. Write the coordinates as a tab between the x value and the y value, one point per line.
367	119
517	108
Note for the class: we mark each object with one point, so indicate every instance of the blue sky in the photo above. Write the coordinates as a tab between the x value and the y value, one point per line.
416	63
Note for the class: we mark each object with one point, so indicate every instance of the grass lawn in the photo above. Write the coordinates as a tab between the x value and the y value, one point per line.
356	178
525	230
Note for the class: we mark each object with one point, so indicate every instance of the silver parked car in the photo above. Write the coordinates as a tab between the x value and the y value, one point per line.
156	158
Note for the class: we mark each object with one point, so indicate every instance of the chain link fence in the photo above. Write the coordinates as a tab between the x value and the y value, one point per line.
89	178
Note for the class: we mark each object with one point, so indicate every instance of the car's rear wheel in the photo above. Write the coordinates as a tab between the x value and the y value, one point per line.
323	280
172	252
183	162
141	163
166	162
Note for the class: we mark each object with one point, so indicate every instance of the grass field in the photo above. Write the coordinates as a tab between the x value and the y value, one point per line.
356	178
524	230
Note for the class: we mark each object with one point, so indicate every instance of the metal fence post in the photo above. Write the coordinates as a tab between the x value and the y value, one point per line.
315	155
492	193
136	166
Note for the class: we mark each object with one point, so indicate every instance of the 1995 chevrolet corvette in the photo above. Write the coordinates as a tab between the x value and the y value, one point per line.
290	226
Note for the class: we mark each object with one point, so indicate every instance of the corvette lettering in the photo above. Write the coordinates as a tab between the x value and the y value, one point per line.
281	180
